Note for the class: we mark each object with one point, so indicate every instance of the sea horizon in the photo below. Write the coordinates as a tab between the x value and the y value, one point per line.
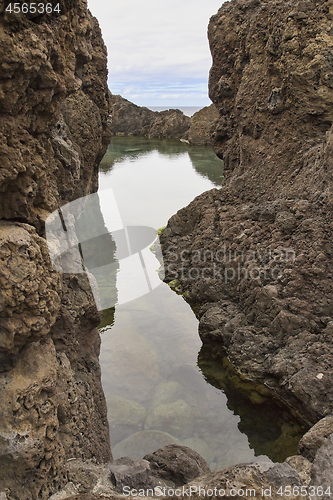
187	110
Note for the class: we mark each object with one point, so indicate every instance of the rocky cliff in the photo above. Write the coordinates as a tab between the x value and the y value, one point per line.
127	118
256	255
53	134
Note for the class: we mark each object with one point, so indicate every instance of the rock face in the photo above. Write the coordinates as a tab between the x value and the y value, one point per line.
203	122
53	133
129	119
257	254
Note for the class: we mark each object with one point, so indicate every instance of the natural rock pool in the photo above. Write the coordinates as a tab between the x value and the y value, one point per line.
161	385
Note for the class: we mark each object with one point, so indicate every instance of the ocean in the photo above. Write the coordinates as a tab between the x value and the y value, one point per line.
187	110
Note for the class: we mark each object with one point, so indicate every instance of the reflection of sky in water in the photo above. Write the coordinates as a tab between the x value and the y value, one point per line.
156	394
153	187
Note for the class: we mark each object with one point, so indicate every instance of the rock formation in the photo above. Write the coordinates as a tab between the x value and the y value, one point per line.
203	122
127	118
257	254
271	84
53	134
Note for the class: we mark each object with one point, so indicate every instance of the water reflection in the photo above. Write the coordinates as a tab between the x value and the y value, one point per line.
156	392
271	427
203	158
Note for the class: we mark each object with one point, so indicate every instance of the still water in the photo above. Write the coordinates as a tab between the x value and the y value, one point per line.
158	390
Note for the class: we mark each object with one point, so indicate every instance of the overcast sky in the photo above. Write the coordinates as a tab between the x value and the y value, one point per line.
157	49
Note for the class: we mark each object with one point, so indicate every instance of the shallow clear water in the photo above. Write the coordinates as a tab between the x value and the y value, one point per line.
156	390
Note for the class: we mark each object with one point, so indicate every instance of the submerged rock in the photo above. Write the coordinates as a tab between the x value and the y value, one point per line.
176	418
139	444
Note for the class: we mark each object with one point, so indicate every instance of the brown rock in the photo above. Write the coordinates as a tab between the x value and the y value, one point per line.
44	162
202	124
129	119
53	134
176	463
260	247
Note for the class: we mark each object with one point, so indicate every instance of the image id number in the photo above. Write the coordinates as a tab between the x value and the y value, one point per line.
33	8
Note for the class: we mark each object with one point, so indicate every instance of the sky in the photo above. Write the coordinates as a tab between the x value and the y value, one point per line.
158	52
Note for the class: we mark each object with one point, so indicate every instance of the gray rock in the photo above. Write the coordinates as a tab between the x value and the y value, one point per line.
314	438
178	464
129	473
322	471
260	480
302	465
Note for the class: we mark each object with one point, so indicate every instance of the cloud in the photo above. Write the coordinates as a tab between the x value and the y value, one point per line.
156	42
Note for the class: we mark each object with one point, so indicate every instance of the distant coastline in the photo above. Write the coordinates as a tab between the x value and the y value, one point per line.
187	110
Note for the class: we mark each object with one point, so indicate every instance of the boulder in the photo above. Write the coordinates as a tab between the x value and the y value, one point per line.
176	463
244	481
322	471
139	444
315	437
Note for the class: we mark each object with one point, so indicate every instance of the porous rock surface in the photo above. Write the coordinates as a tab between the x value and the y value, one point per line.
53	133
257	253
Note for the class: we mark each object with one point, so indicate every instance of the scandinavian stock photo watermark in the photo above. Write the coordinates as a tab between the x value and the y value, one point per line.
228	264
124	262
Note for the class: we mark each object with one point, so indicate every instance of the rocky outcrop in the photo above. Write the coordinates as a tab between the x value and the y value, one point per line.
127	118
256	254
203	122
53	133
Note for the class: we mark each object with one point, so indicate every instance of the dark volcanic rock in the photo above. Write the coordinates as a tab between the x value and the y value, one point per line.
129	119
176	463
259	249
53	134
203	122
